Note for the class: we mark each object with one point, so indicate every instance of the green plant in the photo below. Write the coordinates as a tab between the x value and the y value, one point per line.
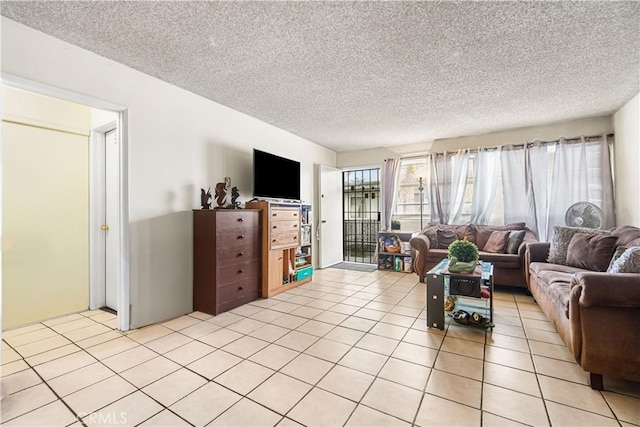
463	250
395	224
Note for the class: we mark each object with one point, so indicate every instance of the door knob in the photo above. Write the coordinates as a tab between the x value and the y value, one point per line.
104	227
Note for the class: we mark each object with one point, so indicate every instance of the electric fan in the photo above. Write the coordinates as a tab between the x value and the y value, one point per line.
584	214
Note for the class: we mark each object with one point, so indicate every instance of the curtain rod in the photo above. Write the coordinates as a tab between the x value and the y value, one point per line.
475	150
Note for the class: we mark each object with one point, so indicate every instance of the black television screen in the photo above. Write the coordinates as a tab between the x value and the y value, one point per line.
275	177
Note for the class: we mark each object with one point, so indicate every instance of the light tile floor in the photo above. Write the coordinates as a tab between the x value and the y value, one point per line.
349	348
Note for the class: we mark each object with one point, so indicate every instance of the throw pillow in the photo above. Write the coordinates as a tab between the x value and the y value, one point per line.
483	232
514	242
590	251
431	235
467	230
618	252
560	240
445	238
497	242
629	261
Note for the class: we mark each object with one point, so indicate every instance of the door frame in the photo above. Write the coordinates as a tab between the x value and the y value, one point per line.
97	207
123	246
381	200
319	218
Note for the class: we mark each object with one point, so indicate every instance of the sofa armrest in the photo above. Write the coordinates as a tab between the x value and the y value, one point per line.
607	289
419	249
534	252
604	309
537	252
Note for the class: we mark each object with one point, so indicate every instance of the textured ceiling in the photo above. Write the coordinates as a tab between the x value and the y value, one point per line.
351	75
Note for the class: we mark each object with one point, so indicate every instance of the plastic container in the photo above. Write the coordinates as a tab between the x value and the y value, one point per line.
398	264
303	273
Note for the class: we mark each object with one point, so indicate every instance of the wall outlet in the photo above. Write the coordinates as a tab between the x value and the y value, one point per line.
227	181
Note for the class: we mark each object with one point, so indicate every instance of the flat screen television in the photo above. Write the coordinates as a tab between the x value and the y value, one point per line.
275	177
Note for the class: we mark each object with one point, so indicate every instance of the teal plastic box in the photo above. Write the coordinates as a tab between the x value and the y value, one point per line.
303	273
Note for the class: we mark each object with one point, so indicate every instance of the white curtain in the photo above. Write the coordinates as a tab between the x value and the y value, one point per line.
390	189
485	183
448	184
524	186
513	184
581	172
536	167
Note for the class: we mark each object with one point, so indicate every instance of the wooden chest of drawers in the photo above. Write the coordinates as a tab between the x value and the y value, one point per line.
227	257
282	248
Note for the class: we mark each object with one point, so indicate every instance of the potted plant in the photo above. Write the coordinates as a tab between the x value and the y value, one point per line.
463	256
395	224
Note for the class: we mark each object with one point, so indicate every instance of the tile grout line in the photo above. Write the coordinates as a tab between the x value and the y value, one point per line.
374	299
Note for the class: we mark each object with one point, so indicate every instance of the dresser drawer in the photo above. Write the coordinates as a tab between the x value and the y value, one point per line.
232	273
238	298
231	290
285	226
237	237
235	218
239	253
283	214
284	239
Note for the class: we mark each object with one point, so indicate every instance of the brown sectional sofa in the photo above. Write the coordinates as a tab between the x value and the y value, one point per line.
597	314
508	268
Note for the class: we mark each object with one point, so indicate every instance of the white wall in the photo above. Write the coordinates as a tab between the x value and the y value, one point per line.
626	122
589	126
178	143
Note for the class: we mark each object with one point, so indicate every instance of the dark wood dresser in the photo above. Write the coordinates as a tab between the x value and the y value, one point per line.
227	260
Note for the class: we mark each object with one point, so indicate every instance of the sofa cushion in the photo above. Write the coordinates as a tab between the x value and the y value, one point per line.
483	232
559	292
497	242
560	242
514	242
590	251
628	262
498	260
616	254
555	279
431	234
468	231
501	260
628	235
535	268
437	254
445	238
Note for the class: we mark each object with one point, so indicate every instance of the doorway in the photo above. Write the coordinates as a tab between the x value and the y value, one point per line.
361	202
100	112
329	221
104	292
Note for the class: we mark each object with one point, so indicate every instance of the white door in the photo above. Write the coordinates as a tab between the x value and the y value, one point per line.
112	177
330	218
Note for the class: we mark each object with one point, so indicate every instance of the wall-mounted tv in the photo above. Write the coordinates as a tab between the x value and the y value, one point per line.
275	177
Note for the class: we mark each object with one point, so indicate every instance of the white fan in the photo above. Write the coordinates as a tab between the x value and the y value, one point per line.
584	214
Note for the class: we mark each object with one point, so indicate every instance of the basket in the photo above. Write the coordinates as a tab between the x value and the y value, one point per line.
392	243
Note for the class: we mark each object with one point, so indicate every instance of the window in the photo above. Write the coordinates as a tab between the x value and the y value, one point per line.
560	173
407	208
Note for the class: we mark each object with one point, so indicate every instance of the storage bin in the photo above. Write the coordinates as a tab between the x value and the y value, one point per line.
303	273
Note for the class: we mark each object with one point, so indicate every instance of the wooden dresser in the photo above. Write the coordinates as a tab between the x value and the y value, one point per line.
286	258
227	258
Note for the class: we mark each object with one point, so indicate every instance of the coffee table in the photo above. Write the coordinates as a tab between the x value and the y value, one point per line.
467	288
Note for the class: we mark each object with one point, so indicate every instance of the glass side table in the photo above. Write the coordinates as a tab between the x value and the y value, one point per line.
466	288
